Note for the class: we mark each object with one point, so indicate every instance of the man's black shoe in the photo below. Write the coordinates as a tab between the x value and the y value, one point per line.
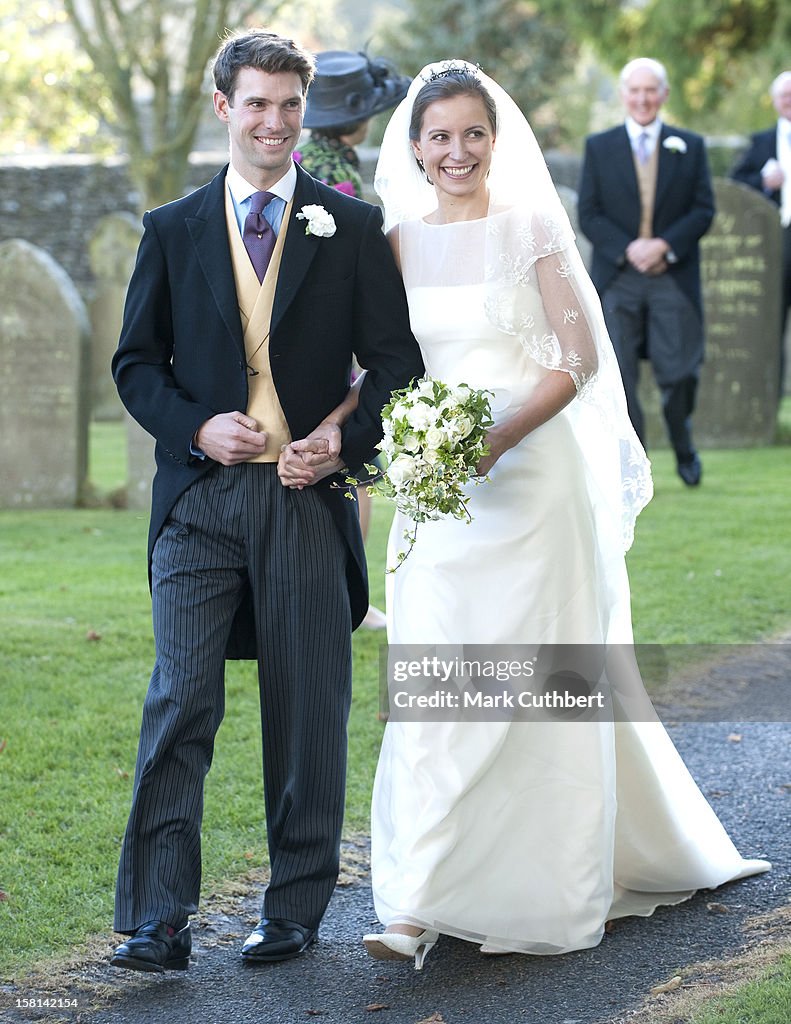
276	939
691	471
155	946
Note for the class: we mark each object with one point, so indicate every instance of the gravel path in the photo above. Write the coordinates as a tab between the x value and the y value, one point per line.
744	769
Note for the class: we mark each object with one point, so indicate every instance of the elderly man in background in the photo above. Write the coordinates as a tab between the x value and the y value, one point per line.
766	166
645	200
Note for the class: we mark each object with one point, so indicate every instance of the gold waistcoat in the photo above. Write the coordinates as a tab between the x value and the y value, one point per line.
255	309
646	182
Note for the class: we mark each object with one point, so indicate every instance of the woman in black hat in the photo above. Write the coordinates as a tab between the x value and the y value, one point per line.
349	88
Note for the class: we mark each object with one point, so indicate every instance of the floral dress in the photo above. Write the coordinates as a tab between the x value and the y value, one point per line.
332	162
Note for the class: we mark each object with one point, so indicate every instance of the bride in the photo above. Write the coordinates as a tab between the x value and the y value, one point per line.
521	836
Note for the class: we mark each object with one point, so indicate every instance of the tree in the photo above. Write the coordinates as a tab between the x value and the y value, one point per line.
51	97
160	50
705	44
526	51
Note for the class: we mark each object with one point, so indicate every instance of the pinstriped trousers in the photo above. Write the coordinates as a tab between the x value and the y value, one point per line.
652	315
236	527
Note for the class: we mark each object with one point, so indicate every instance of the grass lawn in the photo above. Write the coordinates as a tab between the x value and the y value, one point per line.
764	1001
708	565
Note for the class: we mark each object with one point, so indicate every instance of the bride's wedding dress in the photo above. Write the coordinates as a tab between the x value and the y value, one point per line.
526	836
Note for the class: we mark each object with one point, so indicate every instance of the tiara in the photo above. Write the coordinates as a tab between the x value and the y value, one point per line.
451	67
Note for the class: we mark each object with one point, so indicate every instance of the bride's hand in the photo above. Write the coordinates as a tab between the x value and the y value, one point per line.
498	444
551	395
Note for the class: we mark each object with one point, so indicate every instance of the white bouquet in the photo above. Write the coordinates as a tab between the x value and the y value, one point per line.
434	438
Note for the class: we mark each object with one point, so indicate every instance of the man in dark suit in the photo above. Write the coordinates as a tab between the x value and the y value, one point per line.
645	200
248	300
766	166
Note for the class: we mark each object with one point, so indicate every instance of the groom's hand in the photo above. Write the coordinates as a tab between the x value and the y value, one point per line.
230	437
303	463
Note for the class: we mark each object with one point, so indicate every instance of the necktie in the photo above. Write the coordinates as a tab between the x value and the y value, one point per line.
642	147
259	238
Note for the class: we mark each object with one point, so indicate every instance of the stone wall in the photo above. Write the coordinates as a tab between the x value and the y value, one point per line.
57	203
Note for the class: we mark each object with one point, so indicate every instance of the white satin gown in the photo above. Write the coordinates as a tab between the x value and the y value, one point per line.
526	836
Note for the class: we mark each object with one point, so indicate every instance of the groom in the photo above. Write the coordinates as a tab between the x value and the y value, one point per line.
248	300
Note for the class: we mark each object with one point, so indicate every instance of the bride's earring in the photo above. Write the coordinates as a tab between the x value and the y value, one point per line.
423	169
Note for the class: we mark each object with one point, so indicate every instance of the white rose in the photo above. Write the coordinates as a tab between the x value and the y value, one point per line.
402	470
421	416
431	456
460	393
461	427
435	437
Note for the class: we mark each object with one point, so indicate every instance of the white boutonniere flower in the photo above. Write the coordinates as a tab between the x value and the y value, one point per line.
675	144
319	222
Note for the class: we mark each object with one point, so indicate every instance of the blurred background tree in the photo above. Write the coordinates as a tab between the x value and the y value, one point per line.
50	96
721	55
131	76
125	75
558	57
529	52
157	51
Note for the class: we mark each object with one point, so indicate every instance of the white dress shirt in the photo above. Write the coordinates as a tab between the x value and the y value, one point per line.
651	131
241	191
784	159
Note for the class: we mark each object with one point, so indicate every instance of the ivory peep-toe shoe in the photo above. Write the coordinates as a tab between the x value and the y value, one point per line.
395	946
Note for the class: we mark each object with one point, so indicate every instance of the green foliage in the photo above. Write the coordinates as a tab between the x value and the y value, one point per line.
97	75
77	73
525	50
721	55
51	97
161	49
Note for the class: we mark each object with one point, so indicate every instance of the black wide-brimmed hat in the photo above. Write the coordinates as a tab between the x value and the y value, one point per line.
351	87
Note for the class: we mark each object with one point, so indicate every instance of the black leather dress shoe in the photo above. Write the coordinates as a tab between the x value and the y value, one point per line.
691	471
276	939
157	947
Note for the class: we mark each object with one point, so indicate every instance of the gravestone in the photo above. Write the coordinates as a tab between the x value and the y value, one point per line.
569	199
44	403
141	464
740	268
112	249
120	238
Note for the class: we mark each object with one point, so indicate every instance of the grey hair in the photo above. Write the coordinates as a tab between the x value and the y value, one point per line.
654	66
782	79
